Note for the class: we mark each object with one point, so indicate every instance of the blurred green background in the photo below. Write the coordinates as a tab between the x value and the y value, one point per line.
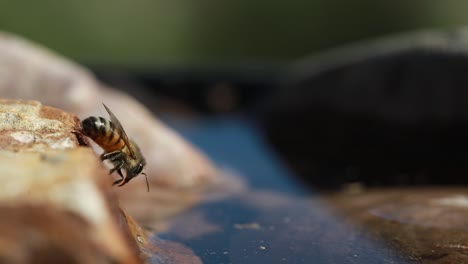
144	32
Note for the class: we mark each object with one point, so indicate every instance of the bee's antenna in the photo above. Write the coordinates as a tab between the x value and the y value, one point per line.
147	184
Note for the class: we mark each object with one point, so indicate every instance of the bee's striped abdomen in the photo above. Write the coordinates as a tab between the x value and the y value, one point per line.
103	132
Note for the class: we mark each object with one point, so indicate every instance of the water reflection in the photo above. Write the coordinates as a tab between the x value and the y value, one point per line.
274	219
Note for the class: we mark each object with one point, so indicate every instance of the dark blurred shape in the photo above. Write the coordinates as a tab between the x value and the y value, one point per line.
205	90
393	111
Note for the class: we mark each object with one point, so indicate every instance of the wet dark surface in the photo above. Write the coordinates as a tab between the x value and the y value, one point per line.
294	232
275	219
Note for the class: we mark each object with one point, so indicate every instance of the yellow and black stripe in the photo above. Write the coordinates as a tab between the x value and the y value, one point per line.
103	132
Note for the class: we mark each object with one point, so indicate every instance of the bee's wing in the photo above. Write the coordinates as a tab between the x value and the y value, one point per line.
119	128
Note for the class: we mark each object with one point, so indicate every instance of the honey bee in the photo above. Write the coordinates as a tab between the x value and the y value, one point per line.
122	152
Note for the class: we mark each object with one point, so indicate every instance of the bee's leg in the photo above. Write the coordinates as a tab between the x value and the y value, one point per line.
111	155
119	171
117	182
123	181
118	168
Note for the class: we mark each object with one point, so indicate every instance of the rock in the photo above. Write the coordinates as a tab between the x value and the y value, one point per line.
27	125
177	171
426	225
46	234
28	71
56	202
388	111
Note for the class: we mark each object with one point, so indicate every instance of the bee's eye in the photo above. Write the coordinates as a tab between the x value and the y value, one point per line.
139	169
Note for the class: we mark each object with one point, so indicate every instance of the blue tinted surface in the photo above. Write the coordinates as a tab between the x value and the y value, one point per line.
291	224
234	143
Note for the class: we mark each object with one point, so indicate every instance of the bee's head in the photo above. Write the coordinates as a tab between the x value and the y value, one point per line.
138	169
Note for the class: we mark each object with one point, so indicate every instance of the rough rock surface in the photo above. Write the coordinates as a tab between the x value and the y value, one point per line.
55	198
